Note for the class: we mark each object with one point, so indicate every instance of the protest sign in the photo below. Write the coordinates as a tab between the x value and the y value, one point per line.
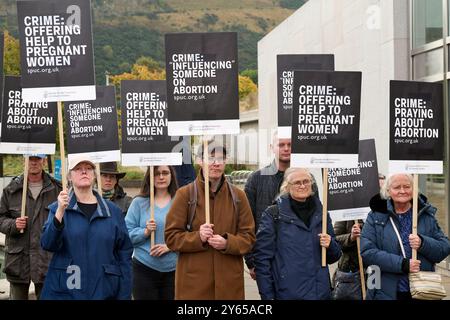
56	50
92	127
416	127
145	141
350	189
325	122
202	83
26	128
286	64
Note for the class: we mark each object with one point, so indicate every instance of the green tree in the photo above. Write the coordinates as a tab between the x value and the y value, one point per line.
12	55
251	73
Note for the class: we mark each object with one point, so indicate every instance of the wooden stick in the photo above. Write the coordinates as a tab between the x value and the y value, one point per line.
61	147
25	188
99	179
152	204
361	267
325	214
206	175
415	213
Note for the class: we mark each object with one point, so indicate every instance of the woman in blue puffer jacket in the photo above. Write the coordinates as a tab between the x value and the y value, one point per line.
289	244
380	245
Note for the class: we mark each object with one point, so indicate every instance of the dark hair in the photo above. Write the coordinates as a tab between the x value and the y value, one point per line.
212	148
145	187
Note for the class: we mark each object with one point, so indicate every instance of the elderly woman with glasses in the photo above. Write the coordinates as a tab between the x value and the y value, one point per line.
289	242
89	240
387	240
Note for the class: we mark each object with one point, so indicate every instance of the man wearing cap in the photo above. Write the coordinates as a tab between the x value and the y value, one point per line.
111	189
25	261
210	261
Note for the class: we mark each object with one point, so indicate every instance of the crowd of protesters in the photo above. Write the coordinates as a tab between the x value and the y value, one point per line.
83	244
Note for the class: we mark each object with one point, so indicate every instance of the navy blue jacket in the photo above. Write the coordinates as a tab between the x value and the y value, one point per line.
380	246
288	255
99	248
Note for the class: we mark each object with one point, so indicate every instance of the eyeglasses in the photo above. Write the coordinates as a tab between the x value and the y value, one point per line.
162	173
83	169
218	160
299	183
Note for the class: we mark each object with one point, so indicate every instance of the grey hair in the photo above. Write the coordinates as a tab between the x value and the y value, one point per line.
284	189
387	183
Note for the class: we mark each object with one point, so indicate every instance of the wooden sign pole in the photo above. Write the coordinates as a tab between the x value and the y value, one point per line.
99	179
61	147
206	176
325	214
152	204
25	188
361	267
415	212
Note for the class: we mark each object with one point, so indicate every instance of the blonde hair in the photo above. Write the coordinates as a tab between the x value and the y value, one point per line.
284	189
387	184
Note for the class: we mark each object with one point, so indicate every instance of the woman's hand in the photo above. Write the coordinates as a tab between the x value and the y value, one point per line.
325	240
356	232
63	203
414	241
158	250
414	265
150	226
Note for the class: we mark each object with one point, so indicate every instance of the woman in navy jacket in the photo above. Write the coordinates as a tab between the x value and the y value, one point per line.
90	242
289	244
380	245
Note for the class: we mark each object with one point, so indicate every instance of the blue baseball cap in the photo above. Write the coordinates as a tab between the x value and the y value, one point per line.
36	155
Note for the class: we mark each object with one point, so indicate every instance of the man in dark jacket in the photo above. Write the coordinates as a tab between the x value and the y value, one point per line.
263	186
25	261
111	189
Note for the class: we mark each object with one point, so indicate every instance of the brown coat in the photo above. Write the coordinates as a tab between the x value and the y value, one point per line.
203	272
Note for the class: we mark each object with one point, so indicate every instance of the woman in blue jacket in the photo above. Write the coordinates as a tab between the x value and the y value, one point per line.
153	270
89	240
289	244
380	245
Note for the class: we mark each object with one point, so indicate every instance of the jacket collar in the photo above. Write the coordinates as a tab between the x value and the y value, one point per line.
377	204
47	182
270	169
102	207
287	213
201	180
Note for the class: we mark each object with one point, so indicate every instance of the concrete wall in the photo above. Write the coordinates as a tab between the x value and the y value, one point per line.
371	36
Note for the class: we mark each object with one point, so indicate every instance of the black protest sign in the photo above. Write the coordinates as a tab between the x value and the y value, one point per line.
145	141
26	127
56	50
202	83
92	126
286	64
350	189
325	121
416	127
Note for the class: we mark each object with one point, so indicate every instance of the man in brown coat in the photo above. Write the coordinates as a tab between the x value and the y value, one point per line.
25	261
210	263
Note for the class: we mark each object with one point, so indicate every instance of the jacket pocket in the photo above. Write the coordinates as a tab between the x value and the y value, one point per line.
58	276
110	282
14	261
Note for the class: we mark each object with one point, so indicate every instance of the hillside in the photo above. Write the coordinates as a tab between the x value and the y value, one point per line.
127	30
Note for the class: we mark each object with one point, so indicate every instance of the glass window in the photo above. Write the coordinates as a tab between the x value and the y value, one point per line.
427	21
429	63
